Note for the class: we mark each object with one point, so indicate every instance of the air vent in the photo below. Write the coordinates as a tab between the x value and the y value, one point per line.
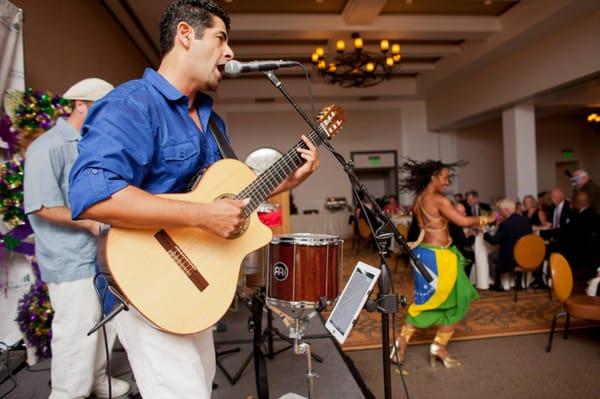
368	98
265	100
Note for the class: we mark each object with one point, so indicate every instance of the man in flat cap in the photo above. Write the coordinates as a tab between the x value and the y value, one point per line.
65	250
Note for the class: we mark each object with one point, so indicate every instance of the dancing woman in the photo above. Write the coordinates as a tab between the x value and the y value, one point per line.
445	301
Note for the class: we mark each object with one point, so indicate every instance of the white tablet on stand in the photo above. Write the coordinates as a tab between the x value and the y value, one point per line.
353	298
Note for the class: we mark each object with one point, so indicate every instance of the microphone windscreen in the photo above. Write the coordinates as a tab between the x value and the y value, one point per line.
233	68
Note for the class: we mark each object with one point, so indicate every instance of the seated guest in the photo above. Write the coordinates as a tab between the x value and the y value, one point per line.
536	216
582	238
593	287
473	206
464	239
392	207
512	227
458	198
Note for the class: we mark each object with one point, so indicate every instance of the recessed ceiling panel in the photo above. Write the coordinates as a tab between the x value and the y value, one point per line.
448	7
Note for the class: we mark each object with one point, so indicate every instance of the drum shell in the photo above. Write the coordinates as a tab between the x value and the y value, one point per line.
313	269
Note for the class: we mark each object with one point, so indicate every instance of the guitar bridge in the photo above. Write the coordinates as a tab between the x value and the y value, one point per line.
181	259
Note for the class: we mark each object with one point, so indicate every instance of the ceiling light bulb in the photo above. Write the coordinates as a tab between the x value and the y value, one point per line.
340	45
370	67
358	43
385	45
395	48
320	51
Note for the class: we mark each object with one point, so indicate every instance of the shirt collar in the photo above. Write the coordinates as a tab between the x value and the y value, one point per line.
162	85
169	91
66	130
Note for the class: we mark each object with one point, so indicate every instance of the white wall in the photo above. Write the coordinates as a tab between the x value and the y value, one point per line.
565	132
481	145
275	125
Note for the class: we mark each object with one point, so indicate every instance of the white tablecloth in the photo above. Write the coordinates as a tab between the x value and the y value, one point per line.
335	223
480	273
400	220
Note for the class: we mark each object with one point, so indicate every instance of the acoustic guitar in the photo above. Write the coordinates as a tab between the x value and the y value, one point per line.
183	280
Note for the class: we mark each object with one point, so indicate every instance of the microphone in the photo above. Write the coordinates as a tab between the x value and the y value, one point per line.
233	68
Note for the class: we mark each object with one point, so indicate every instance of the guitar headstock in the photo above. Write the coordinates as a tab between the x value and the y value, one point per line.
331	119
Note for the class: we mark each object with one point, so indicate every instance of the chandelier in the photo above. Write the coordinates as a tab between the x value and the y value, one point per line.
358	68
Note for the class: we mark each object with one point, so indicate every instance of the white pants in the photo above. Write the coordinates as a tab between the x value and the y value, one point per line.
167	365
77	360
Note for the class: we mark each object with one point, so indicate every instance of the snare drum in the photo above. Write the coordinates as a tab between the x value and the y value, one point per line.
302	268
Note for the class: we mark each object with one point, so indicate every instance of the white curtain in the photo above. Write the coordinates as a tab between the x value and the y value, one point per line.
12	77
12	67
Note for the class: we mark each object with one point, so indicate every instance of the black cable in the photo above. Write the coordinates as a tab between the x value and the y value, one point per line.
309	89
31	370
12	388
397	355
9	373
102	301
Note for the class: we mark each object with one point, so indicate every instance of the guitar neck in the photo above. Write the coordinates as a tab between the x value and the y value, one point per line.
261	188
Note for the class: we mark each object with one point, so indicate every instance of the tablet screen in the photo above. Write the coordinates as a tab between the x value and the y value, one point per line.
352	300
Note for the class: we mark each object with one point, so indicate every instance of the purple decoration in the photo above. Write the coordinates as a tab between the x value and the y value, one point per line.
34	317
8	134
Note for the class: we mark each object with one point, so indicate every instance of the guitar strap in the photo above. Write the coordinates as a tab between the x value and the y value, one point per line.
224	147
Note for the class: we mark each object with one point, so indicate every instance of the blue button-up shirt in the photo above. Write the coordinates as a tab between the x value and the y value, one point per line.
140	134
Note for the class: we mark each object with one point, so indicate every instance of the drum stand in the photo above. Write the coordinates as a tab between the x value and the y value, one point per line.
387	301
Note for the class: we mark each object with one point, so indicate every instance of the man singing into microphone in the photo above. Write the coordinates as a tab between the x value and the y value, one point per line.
150	136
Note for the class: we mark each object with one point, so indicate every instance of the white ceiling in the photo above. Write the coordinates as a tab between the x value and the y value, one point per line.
441	40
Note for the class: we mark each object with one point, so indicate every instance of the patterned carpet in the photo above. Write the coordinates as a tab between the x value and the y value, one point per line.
495	314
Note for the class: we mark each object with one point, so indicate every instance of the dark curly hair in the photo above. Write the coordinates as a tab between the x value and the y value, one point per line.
198	13
417	175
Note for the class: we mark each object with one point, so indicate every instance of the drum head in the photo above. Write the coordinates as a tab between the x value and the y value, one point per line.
306	239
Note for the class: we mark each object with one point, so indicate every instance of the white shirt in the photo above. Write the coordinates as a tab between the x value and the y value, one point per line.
556	217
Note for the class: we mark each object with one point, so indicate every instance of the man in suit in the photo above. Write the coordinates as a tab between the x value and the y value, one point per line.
560	217
582	238
582	182
512	227
473	206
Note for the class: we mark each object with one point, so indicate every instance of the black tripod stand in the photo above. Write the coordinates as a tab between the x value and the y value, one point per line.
256	304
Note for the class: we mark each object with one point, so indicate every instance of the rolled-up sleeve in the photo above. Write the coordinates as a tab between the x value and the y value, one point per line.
115	151
41	182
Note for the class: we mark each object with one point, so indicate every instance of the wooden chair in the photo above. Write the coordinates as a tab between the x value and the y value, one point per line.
364	233
529	254
404	232
580	306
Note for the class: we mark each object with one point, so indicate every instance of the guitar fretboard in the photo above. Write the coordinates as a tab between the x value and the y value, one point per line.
261	188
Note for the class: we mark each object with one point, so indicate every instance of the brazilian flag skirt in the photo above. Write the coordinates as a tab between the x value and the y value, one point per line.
446	299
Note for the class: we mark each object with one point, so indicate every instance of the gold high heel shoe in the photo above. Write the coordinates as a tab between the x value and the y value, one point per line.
434	354
439	342
401	344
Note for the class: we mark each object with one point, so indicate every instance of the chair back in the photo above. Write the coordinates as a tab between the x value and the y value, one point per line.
403	230
562	278
529	252
363	228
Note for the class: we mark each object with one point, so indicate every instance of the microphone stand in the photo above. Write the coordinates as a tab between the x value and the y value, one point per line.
387	301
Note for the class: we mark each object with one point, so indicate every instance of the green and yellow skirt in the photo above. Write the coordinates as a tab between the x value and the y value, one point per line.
446	299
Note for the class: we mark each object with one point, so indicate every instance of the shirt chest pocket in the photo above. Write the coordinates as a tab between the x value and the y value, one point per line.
180	157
